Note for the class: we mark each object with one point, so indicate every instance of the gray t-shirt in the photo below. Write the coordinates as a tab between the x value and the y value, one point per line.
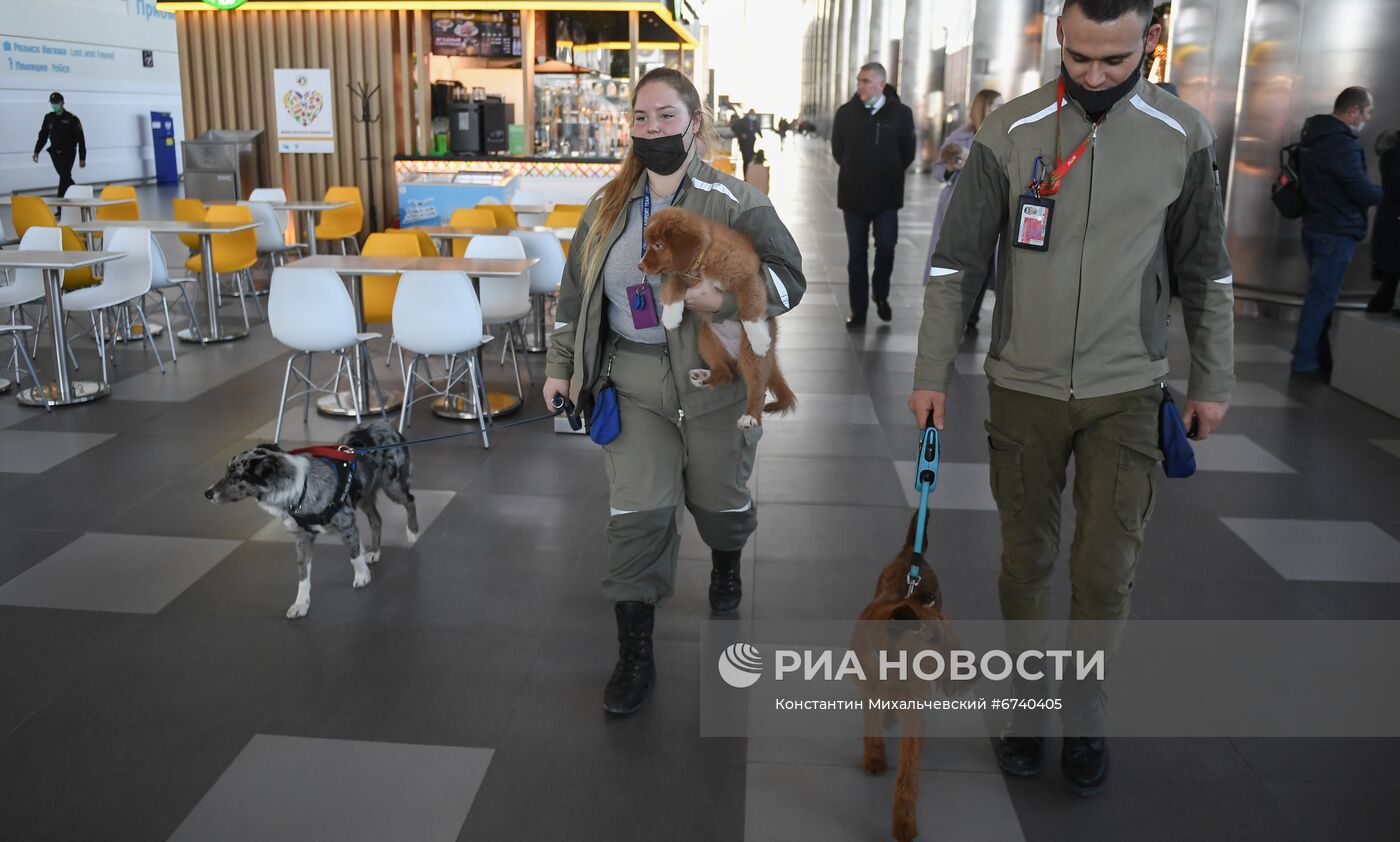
620	272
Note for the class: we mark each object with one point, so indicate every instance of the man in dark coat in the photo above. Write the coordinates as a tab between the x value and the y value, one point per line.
1385	236
64	134
872	140
1332	173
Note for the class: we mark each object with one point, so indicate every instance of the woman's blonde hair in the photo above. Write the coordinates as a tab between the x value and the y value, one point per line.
981	107
614	194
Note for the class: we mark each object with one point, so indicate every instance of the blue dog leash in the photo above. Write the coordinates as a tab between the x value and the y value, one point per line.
925	479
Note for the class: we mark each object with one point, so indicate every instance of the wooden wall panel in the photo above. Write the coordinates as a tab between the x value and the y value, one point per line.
226	64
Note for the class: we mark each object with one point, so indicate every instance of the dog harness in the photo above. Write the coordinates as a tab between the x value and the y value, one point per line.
925	479
342	461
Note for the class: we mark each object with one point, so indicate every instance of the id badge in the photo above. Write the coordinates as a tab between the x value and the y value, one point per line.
1033	223
642	305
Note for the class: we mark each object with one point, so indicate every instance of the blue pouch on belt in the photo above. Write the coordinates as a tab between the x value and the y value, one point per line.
1178	459
605	423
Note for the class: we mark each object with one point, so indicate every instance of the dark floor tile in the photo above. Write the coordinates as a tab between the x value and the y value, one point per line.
828	480
107	416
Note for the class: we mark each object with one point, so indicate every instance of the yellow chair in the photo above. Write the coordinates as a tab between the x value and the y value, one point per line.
130	210
724	165
563	218
76	278
342	224
426	246
377	292
571	208
31	211
190	210
236	252
505	216
477	217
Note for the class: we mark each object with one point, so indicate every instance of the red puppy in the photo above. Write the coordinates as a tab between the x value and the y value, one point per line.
690	250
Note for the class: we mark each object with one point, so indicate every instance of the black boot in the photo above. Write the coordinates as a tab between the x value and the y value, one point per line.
635	670
1084	758
725	588
1021	742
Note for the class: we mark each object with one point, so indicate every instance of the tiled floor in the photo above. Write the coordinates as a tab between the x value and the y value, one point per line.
150	687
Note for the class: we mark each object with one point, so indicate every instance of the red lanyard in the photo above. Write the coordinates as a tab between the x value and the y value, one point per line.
1051	185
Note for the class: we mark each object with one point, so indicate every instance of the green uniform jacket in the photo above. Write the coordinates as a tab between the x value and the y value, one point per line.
1088	317
576	346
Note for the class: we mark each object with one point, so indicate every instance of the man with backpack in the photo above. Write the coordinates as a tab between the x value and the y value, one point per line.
1337	193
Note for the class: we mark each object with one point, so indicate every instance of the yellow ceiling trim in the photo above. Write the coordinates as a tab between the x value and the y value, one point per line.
653	6
625	45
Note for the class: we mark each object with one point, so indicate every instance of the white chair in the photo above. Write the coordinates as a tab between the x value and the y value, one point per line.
273	196
270	233
27	286
545	277
310	312
504	300
72	216
438	313
125	283
530	197
21	353
5	238
160	282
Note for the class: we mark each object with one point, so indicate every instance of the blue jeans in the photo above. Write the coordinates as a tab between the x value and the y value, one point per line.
886	225
1328	257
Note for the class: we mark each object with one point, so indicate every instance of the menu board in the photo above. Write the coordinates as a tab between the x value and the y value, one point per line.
482	34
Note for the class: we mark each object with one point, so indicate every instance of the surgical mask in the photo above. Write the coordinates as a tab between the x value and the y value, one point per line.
662	155
1097	102
57	107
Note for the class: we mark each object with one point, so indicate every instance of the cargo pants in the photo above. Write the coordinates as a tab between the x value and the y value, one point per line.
1114	442
661	460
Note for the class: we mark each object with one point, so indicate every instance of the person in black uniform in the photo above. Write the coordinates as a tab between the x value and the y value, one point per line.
64	133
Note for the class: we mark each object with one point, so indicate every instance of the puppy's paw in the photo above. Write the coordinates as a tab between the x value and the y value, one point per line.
372	557
412	536
671	315
874	765
760	339
699	377
361	576
747	421
298	610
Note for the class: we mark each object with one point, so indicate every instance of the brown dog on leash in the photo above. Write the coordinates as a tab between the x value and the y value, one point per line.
691	250
898	620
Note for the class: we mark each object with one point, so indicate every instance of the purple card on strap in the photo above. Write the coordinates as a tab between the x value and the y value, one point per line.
642	305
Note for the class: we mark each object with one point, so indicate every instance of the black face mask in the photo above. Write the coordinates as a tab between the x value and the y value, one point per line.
662	155
1098	102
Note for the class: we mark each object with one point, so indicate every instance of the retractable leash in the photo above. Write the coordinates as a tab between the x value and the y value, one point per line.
925	478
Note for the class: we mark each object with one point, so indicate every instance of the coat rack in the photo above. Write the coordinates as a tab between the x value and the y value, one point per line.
366	97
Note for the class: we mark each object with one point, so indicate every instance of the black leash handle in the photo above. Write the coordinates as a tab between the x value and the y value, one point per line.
359	451
564	405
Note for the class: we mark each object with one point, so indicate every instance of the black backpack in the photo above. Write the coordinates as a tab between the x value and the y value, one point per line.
1287	191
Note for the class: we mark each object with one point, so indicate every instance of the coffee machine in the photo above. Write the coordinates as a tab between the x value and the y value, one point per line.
480	127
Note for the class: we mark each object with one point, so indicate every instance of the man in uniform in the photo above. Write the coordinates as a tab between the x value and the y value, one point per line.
1100	186
63	131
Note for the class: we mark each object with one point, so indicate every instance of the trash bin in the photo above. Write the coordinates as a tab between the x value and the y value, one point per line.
224	165
163	142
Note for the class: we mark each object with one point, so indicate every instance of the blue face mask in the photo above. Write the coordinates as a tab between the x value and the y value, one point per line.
57	107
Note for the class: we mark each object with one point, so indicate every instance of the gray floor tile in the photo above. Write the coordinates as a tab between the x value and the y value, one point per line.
294	788
828	409
394	531
33	452
954	754
137	574
1391	446
1233	452
811	803
1247	394
960	486
1326	551
828	480
112	415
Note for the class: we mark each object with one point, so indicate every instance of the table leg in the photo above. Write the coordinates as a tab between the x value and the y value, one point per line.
537	344
308	222
212	332
342	403
62	392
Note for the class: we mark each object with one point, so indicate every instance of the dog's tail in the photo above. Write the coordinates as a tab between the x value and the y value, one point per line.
785	401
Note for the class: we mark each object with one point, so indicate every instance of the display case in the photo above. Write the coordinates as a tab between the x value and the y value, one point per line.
580	115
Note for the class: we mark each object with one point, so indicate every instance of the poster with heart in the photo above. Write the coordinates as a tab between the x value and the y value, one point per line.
303	102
